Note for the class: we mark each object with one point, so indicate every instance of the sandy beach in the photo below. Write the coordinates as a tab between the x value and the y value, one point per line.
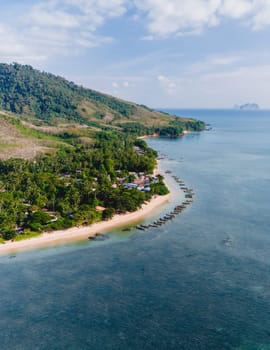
74	234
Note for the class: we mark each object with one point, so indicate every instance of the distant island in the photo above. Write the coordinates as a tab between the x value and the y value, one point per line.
248	106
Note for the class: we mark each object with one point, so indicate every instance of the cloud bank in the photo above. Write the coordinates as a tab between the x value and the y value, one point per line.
56	27
185	17
44	29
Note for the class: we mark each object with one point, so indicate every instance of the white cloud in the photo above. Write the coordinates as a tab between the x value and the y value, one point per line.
49	28
14	46
224	60
135	17
56	27
236	9
8	41
173	16
261	18
213	63
168	84
237	74
240	84
88	14
189	17
148	38
78	19
44	15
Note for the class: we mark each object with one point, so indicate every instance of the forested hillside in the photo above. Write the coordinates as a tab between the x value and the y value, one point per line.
70	155
50	99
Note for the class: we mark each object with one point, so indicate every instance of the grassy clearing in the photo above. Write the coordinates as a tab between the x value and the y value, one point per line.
4	146
36	134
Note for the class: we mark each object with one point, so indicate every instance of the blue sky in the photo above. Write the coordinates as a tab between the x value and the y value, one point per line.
162	53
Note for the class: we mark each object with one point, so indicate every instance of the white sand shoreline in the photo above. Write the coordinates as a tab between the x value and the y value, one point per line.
78	233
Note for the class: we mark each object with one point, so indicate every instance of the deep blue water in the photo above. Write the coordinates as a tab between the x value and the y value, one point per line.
200	282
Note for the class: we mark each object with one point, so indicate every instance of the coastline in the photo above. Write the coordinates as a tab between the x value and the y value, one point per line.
144	137
74	234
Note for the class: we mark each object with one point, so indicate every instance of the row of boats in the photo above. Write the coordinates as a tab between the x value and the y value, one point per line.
189	194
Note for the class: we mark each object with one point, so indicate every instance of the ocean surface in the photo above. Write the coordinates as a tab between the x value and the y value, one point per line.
201	282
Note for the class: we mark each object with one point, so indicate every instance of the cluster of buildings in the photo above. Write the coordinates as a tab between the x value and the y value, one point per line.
141	182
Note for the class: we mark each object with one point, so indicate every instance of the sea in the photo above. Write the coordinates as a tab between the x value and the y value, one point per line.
200	282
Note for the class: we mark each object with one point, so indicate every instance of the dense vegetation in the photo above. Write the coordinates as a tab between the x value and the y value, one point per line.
70	155
174	128
58	192
26	90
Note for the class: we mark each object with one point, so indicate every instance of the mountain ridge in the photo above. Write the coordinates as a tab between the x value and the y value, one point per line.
49	110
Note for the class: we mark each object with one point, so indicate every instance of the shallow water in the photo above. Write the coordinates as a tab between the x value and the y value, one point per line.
199	282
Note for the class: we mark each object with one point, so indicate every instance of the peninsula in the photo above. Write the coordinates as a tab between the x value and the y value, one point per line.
71	156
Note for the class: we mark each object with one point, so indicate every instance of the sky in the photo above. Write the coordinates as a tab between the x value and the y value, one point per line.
161	53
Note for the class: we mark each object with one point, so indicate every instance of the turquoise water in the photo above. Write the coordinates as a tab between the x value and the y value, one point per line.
200	282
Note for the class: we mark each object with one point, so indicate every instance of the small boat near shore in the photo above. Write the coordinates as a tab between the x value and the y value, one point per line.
140	227
99	237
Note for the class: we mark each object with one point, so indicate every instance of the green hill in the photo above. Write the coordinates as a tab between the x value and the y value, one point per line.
40	111
66	150
24	90
51	99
